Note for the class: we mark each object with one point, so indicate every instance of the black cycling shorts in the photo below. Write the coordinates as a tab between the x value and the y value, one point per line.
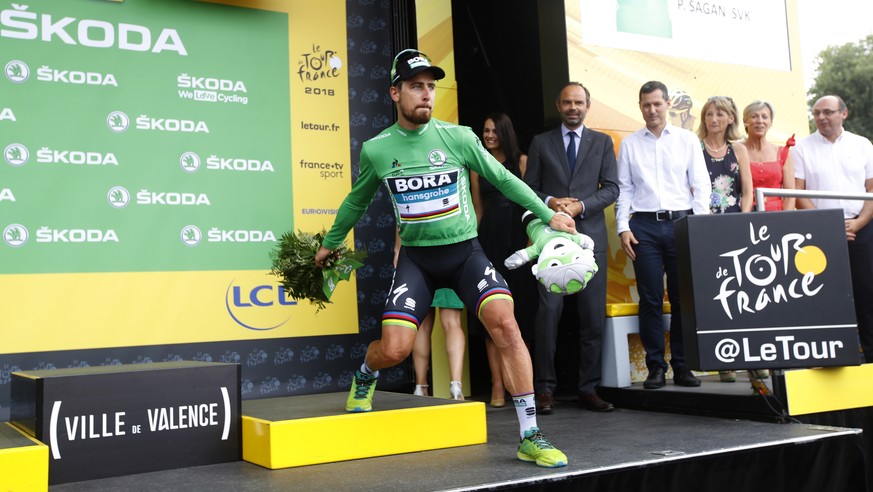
421	270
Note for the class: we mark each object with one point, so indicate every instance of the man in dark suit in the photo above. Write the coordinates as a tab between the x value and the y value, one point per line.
573	169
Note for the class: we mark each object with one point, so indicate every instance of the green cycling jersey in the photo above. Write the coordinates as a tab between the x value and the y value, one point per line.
426	172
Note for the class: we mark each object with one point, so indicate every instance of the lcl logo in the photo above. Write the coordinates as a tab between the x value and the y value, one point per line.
258	307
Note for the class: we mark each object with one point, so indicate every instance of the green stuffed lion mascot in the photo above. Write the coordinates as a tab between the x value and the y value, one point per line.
566	261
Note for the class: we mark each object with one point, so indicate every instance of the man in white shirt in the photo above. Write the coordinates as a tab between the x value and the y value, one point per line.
662	177
833	159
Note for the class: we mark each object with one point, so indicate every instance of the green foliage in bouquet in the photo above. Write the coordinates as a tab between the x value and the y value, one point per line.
294	264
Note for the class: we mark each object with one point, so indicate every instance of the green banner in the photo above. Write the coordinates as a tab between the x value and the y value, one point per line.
142	136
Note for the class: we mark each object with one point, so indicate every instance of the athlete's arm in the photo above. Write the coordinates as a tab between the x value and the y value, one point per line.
354	205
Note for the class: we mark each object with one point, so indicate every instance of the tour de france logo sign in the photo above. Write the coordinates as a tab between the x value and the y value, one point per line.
766	290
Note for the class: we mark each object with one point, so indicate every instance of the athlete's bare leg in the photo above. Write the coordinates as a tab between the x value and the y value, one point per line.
499	319
392	349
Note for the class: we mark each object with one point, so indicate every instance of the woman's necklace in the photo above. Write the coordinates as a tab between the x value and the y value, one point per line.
715	151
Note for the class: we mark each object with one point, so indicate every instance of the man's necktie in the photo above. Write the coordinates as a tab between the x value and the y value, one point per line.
571	152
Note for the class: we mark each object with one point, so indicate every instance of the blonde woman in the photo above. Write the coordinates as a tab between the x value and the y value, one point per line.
726	160
772	166
728	165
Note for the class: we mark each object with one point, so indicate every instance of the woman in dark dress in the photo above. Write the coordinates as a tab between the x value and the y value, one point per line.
728	163
501	233
726	159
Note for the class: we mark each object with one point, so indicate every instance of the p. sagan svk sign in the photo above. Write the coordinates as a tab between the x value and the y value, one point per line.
766	290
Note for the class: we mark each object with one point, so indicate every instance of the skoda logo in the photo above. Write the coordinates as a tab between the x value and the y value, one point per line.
15	235
17	71
189	162
191	235
437	157
118	196
16	154
118	121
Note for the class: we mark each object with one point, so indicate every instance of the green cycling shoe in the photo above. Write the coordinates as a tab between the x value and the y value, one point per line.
361	395
536	448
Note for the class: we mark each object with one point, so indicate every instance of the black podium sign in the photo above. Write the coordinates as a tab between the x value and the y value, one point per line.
766	290
119	420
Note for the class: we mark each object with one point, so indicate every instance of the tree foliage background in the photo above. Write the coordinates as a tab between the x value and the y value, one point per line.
847	71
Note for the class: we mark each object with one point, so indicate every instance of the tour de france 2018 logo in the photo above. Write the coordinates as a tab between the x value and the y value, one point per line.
770	270
191	235
16	155
118	121
317	66
17	71
118	196
15	235
189	162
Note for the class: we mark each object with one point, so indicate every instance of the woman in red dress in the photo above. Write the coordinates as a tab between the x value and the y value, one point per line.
771	165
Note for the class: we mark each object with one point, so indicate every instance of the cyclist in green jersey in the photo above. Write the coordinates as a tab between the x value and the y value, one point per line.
425	163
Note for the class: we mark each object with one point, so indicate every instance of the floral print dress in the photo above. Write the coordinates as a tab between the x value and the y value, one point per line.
724	174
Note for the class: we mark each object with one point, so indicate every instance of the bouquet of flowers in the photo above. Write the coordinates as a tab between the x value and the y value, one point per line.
293	263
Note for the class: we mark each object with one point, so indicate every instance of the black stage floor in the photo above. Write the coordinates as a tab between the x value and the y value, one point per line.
625	450
714	398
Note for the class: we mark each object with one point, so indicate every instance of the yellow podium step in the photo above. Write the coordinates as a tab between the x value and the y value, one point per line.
828	389
312	429
24	461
